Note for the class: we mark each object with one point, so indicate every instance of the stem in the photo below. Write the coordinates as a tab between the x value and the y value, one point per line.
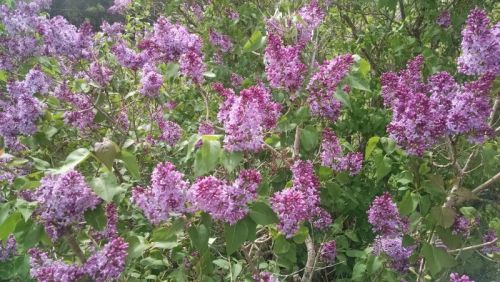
73	244
474	247
486	184
311	255
296	143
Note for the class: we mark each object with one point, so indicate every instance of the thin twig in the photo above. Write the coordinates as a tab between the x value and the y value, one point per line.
474	247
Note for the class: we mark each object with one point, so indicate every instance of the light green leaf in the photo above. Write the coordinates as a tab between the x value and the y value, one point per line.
9	225
231	160
106	186
255	42
207	157
309	138
370	146
383	165
74	158
130	162
106	152
25	208
235	235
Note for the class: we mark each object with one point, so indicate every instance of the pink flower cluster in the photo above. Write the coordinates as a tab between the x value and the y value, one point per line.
480	45
420	120
311	17
331	155
323	85
455	277
223	201
166	194
300	202
284	68
246	117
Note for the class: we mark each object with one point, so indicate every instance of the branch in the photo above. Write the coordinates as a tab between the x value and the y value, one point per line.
486	184
73	244
474	247
296	143
311	255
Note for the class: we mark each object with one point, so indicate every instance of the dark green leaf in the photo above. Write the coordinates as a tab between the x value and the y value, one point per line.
437	258
262	214
235	235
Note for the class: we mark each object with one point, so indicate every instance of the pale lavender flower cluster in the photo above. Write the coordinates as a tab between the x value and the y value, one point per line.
236	80
105	265
323	85
490	236
246	117
192	66
171	132
120	6
62	200
420	120
223	42
300	202
265	277
122	120
328	252
384	216
127	57
455	277
393	248
9	250
480	45
284	68
311	17
444	19
151	81
223	201
331	155
20	110
206	128
100	74
166	194
113	31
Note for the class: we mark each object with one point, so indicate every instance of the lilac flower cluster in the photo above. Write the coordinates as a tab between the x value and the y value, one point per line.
110	231
480	45
328	252
384	216
223	201
62	200
246	117
323	85
311	17
166	194
284	68
83	114
100	74
171	132
300	202
393	248
444	19
236	80
490	236
223	42
120	6
127	57
463	226
20	110
151	81
9	250
122	120
455	277
104	265
420	120
331	155
265	277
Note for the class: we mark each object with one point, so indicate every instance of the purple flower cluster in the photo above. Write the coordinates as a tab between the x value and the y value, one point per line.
480	45
463	226
110	231
284	68
223	42
490	236
120	6
171	132
83	114
444	19
323	85
20	110
206	128
328	252
455	277
311	17
331	155
223	201
166	194
192	66
127	57
108	263
236	80
9	250
264	277
246	117
100	74
104	265
393	248
151	81
62	200
384	216
420	120
300	202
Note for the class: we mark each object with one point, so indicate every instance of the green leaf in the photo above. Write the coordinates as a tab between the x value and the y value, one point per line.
167	233
106	186
96	217
235	235
222	263
383	166
281	245
437	258
357	82
309	138
25	208
443	216
106	152
172	70
364	67
207	156
209	74
373	264
74	158
231	160
136	247
262	214
130	162
256	41
409	203
199	237
300	236
342	97
370	146
9	225
358	272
